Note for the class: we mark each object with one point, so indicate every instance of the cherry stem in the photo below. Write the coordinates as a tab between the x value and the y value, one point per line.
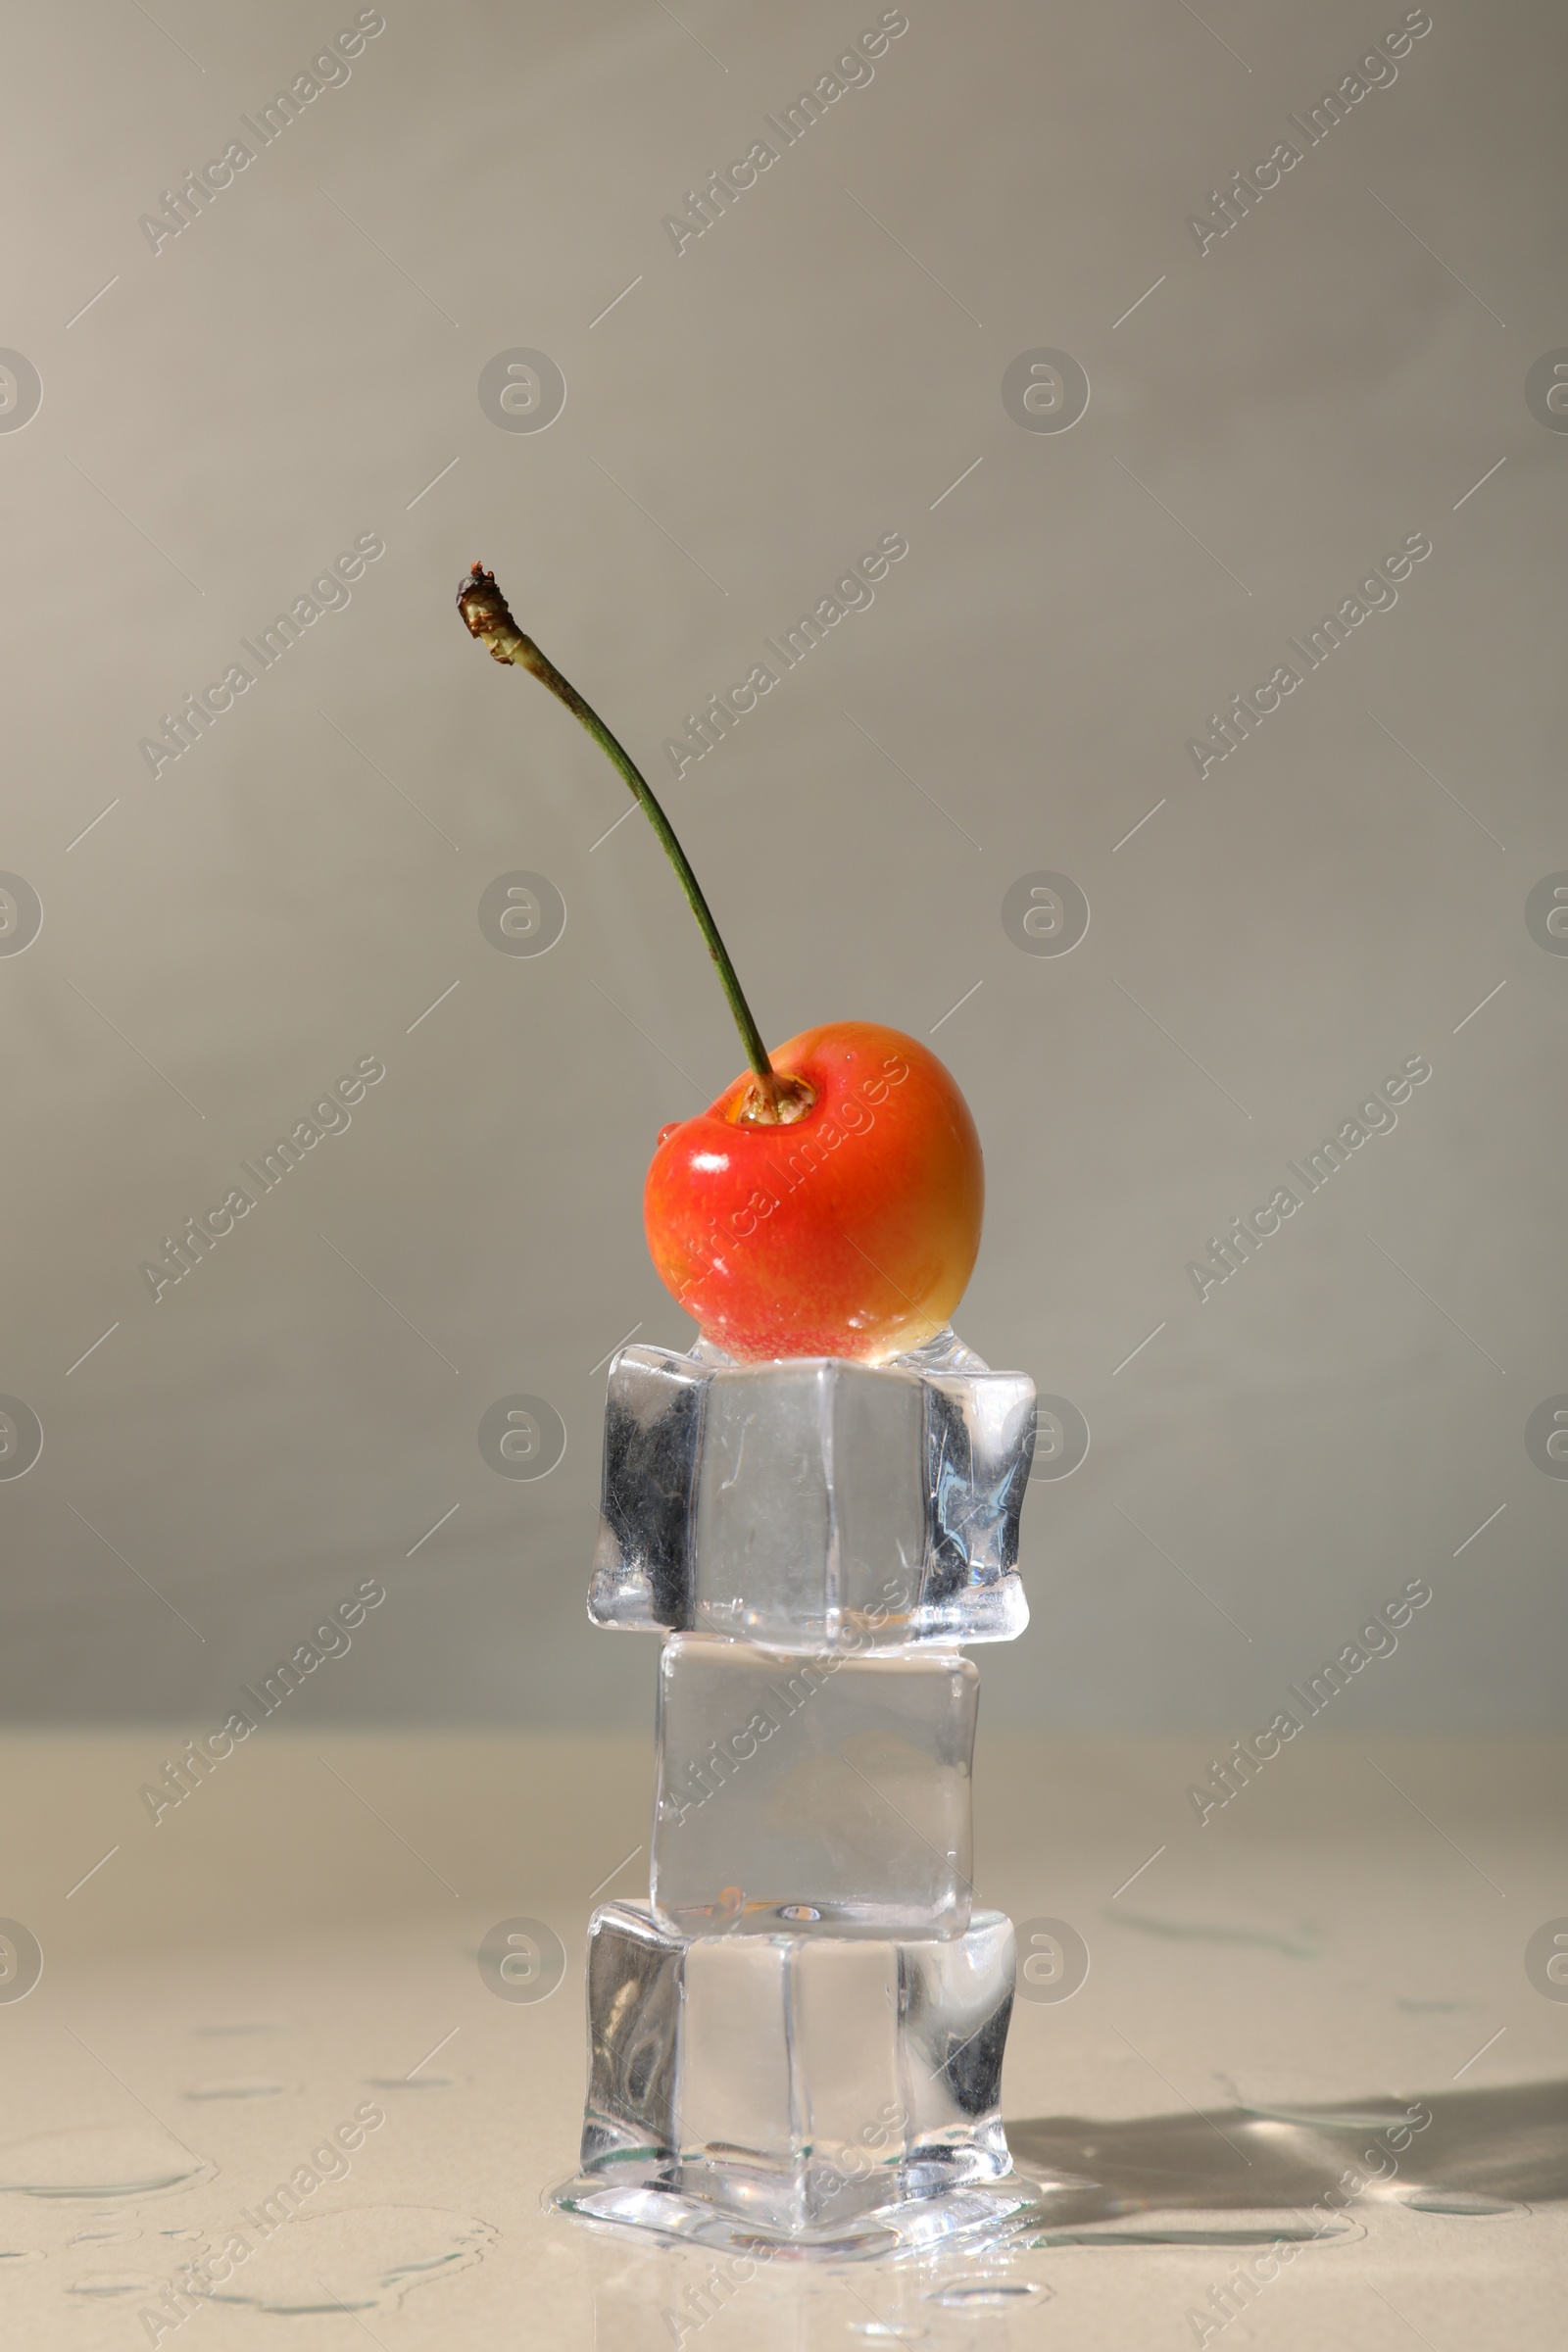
486	611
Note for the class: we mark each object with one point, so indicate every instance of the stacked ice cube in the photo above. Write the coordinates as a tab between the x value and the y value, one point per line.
799	2038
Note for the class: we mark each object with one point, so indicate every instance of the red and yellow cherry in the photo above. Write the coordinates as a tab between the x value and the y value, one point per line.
828	1203
847	1226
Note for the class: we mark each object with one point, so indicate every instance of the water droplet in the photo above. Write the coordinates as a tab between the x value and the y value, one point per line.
103	2283
85	2160
358	2259
108	2236
1457	2201
798	1911
1297	1946
237	2086
987	2294
17	2255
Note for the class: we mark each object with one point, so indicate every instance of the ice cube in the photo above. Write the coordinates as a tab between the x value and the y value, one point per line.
792	2084
813	1503
829	1794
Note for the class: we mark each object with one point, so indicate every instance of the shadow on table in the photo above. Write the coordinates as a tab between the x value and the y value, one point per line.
1480	2153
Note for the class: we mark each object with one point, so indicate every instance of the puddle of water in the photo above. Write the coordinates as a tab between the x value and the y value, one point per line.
1176	2237
1286	2144
1324	2119
1143	2213
105	2284
364	2258
1458	2201
1313	2100
239	2086
110	2160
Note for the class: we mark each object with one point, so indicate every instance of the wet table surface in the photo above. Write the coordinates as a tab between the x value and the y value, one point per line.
1314	2087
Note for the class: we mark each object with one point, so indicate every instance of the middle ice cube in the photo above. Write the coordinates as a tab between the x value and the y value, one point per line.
824	1793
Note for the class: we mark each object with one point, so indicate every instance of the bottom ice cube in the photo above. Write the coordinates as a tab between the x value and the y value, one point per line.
790	2083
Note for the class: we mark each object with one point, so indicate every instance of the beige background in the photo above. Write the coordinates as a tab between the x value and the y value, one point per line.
300	366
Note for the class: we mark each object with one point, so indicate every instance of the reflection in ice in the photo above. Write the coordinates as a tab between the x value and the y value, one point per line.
359	2259
107	2160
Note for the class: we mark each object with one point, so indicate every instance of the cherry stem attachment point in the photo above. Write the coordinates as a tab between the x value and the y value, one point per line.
484	610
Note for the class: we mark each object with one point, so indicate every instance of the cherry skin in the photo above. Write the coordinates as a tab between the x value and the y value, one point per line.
851	1229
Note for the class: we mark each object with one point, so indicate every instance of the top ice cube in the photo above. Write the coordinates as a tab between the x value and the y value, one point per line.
813	1504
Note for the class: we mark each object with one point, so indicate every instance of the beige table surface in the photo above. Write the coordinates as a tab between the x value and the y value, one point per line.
305	1928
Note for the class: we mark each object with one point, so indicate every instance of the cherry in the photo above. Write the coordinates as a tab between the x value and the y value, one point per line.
848	1229
828	1203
